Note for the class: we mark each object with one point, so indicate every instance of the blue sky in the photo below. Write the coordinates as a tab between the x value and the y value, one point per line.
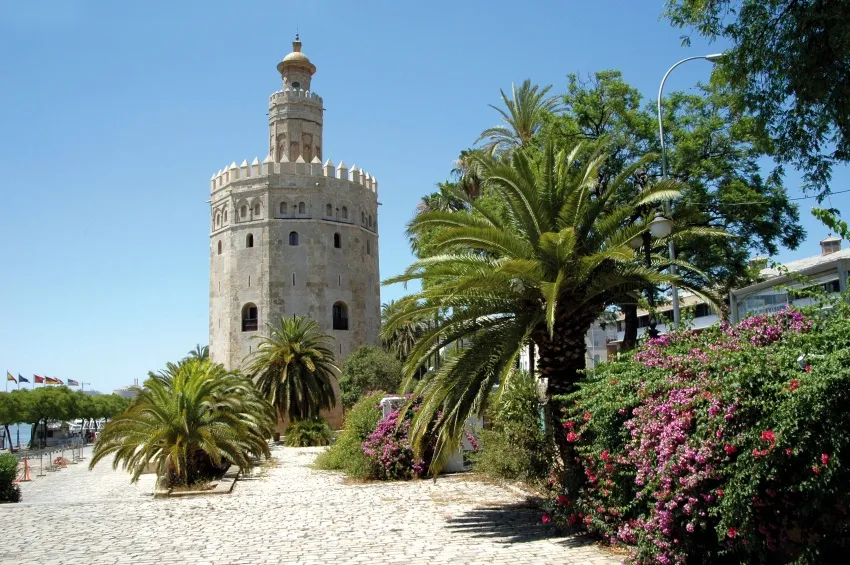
114	115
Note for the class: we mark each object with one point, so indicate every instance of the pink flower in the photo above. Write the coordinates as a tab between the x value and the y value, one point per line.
690	528
824	459
732	532
572	436
586	416
768	435
788	451
729	449
719	492
808	368
563	499
794	384
815	469
569	425
546	519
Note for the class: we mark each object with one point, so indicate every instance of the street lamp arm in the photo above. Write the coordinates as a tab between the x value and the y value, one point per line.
660	122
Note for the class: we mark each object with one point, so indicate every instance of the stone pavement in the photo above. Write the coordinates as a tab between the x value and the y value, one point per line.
285	513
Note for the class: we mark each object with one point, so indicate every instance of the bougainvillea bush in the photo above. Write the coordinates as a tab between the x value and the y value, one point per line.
389	446
723	447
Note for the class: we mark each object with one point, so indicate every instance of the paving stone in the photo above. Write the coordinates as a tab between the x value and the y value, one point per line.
285	513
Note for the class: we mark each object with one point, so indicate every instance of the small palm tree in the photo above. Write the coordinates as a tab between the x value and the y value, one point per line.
543	271
403	337
200	352
191	415
523	115
294	368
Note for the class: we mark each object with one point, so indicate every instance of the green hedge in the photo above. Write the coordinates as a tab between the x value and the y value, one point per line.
9	491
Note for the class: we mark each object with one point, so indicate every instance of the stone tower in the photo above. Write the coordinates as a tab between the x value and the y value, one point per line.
293	236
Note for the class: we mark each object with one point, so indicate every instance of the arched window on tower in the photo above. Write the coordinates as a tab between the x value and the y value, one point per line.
250	318
340	316
217	220
257	209
249	240
337	241
219	247
302	208
329	210
368	247
284	209
370	220
225	216
293	238
345	212
243	212
363	217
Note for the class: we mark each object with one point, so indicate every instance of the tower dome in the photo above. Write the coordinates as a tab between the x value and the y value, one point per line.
296	60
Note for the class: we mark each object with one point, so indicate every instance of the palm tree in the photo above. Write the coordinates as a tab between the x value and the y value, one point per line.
294	368
192	414
523	115
200	352
403	337
542	271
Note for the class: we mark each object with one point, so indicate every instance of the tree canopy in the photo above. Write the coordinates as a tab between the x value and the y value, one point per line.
788	63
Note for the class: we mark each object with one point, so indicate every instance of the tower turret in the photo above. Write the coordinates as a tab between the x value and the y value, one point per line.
295	113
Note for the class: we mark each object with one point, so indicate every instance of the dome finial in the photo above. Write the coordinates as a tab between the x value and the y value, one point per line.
296	45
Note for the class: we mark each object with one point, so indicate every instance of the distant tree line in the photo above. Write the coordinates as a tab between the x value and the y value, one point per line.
55	403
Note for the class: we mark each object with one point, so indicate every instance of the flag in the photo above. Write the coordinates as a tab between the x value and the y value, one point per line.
52	381
22	379
38	380
72	382
9	377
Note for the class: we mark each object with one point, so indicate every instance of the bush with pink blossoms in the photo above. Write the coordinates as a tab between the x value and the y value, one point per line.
389	446
718	447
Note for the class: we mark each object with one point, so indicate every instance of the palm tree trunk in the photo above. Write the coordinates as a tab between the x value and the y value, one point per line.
560	361
631	326
531	358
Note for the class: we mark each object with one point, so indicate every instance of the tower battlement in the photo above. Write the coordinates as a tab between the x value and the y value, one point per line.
294	95
269	168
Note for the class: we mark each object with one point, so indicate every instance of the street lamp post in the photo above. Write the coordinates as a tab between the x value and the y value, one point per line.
713	58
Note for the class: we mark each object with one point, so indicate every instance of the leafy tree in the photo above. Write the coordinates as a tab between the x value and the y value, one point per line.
11	410
186	419
368	369
545	270
294	368
47	403
402	339
200	352
713	151
788	64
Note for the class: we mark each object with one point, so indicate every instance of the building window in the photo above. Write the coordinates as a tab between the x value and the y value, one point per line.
345	212
257	209
340	316
219	247
296	85
329	210
249	318
370	220
243	212
337	241
225	216
363	217
249	240
283	208
302	208
368	247
293	238
217	220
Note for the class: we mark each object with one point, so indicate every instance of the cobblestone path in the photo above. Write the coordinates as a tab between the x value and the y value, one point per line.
287	513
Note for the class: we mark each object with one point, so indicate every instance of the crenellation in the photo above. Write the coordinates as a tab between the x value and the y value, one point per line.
245	172
354	174
255	167
329	169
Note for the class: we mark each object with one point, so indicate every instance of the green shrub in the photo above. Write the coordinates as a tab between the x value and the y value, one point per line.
346	454
308	433
9	491
368	369
718	445
513	446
